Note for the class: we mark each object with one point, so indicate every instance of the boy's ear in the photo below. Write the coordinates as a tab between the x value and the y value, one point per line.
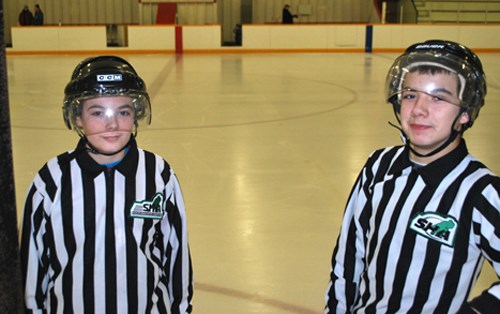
464	118
78	121
463	121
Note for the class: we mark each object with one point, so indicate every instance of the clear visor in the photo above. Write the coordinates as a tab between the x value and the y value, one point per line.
124	114
433	95
398	83
436	88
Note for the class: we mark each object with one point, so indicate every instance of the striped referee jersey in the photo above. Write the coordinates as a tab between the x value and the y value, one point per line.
106	240
413	240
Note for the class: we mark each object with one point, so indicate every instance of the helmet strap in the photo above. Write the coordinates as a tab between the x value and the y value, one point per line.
451	138
453	135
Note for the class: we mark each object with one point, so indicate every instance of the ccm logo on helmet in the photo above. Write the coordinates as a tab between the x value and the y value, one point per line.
109	77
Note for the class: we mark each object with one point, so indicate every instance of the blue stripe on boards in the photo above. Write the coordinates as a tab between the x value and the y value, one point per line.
369	38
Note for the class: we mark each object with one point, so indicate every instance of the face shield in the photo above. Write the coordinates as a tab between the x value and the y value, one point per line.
435	83
105	114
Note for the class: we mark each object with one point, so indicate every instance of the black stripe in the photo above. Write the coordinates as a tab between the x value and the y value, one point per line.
150	169
68	236
132	273
349	267
50	186
176	225
27	231
89	244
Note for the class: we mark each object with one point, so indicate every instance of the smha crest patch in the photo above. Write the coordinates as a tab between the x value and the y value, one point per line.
435	227
152	209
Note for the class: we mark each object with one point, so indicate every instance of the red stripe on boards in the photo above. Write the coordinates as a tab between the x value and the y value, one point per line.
178	39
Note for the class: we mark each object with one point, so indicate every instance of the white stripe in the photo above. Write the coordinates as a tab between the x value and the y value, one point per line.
100	245
79	232
121	245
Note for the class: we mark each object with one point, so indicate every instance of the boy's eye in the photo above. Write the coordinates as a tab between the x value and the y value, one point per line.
125	113
97	113
411	95
408	95
444	98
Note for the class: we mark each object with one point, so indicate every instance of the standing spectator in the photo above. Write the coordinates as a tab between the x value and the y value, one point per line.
238	32
38	18
25	17
287	16
104	227
422	217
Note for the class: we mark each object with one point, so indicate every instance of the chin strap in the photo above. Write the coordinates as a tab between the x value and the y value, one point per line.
406	141
92	149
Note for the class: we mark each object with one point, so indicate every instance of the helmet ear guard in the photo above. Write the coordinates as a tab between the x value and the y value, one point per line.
105	76
394	100
70	112
446	56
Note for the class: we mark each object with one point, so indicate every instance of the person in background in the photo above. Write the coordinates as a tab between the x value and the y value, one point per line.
238	33
104	227
25	17
38	16
422	217
287	16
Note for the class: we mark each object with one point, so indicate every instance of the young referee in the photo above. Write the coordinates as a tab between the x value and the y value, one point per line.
422	217
104	228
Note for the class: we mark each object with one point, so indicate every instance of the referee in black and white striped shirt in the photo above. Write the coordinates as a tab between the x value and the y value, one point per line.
104	228
423	217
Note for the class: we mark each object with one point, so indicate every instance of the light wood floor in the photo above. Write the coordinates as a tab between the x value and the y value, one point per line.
266	147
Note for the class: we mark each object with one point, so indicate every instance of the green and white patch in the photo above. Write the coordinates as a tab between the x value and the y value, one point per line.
435	227
152	209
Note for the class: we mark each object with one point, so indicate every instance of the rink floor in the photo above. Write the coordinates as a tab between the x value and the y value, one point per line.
266	147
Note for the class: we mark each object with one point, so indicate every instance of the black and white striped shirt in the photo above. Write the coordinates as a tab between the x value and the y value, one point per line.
413	240
106	240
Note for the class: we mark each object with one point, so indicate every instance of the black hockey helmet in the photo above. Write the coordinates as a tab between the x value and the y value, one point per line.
103	76
449	56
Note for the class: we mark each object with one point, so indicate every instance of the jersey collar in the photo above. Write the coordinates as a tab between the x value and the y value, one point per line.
437	170
127	166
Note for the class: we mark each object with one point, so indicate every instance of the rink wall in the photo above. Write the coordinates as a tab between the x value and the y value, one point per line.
256	38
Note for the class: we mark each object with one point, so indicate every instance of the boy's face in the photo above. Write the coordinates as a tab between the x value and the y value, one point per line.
107	122
429	106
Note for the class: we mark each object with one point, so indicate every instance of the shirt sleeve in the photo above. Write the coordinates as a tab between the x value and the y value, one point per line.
348	255
487	222
178	265
33	252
